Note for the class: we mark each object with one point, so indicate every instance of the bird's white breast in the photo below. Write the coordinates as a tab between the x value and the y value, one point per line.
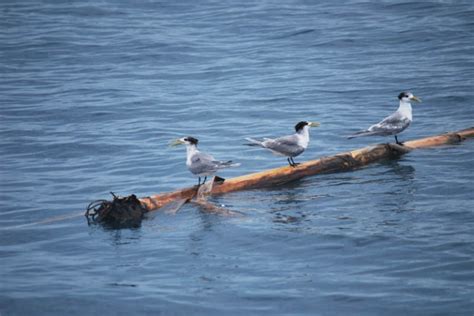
303	137
405	110
191	150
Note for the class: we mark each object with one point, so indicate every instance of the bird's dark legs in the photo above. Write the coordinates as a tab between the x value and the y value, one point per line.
292	162
199	180
398	143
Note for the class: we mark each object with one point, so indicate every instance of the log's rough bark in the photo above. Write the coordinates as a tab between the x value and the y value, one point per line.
337	163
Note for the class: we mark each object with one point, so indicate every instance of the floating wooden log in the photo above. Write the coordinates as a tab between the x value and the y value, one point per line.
337	163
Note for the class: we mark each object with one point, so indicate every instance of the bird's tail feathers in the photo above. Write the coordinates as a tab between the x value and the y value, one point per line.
228	164
253	142
360	134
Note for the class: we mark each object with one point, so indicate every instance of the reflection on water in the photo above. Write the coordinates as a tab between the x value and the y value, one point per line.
290	203
401	194
115	237
405	172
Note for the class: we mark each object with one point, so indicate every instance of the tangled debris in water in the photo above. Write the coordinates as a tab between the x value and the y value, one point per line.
121	212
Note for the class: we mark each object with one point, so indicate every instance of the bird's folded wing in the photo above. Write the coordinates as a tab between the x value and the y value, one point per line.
201	163
202	158
286	145
394	122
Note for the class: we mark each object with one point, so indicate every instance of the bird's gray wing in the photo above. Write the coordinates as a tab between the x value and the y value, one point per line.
392	124
286	145
202	163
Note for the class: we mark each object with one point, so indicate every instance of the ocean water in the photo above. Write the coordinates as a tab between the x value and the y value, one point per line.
92	92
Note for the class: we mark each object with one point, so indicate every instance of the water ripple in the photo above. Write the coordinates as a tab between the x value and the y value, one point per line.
93	92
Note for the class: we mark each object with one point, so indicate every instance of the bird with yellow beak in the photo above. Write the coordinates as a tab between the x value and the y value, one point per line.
199	163
395	123
289	146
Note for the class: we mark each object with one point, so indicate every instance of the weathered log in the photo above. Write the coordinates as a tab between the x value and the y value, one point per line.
337	163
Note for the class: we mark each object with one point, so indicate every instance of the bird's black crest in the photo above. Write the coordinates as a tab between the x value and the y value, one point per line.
300	125
192	140
402	95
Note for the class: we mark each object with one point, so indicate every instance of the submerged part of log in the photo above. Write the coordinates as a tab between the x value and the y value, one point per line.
203	193
337	163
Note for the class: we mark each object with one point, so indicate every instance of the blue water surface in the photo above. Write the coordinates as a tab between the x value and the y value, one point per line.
92	92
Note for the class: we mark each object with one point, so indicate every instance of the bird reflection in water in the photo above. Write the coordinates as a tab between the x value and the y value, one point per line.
401	193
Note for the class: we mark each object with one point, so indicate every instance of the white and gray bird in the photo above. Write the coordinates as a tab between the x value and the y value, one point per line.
289	146
199	163
395	123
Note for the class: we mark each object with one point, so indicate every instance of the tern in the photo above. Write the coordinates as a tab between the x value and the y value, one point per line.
289	146
199	163
395	123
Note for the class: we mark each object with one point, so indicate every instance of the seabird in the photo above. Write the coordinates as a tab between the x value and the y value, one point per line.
289	146
395	123
201	164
